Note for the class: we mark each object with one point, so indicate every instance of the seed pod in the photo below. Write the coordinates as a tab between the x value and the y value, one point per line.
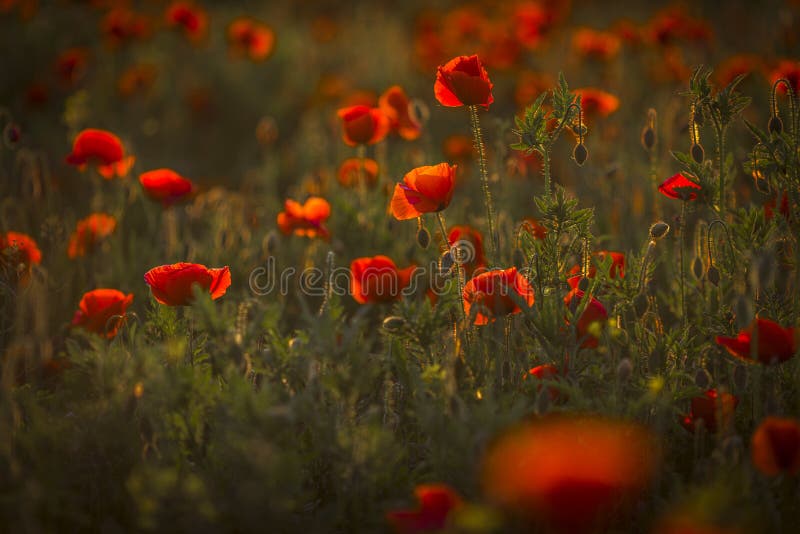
713	275
648	138
775	125
446	263
394	324
697	268
580	153
11	135
624	369
702	379
423	237
658	230
698	154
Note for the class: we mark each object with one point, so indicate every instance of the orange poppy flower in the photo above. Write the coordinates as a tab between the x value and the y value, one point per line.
102	149
352	170
790	71
121	24
596	44
679	187
596	102
71	65
774	344
627	31
530	85
424	190
251	39
363	125
166	186
776	446
458	147
491	294
470	243
736	65
617	269
436	501
172	284
532	21
190	17
18	254
463	81
593	313
89	232
572	472
395	105
97	308
307	219
136	79
377	279
713	408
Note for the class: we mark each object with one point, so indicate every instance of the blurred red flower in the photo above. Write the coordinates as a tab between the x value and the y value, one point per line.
491	294
166	186
597	44
307	219
396	107
363	125
354	169
190	17
774	344
532	21
617	269
546	371
436	501
102	149
71	65
458	147
714	409
98	307
593	313
377	279
121	24
424	190
789	70
136	79
18	254
776	446
463	81
90	231
250	38
172	284
783	209
596	102
532	226
679	187
471	247
736	65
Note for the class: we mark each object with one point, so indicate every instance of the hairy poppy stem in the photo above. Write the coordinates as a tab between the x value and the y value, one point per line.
680	259
487	194
720	132
546	170
459	266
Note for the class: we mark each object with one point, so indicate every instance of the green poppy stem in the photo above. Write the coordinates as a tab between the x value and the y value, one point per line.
487	195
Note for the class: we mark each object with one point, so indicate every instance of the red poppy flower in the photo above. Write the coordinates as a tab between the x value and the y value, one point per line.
593	313
790	71
673	23
571	472
18	254
136	79
532	21
354	169
121	24
775	344
190	17
680	187
713	408
250	38
491	293
458	147
596	102
71	65
436	501
597	44
617	269
378	279
172	284
546	371
89	232
471	247
535	229
463	81
166	186
424	190
102	149
776	446
97	308
307	219
736	65
395	105
363	125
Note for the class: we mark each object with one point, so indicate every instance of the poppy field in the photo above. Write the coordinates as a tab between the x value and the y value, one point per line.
461	267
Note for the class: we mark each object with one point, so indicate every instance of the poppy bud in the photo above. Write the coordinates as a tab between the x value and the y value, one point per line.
579	153
423	237
579	129
624	369
648	138
702	379
658	230
446	263
698	154
394	324
697	268
775	125
11	134
713	275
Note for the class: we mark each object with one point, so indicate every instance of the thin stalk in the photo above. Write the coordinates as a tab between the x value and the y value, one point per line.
546	170
487	194
682	246
459	266
720	131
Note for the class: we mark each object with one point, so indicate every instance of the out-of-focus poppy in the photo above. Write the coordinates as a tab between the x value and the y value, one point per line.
627	31
596	44
685	523
783	209
789	70
534	228
250	38
458	147
495	293
546	371
596	102
436	501
532	21
363	125
469	243
679	187
166	186
102	311
736	65
71	65
396	107
501	49
121	24
102	149
89	232
594	312
136	79
354	169
617	269
190	17
172	284
463	81
18	254
776	446
530	85
672	24
305	219
37	94
424	190
571	472
377	279
773	343
713	408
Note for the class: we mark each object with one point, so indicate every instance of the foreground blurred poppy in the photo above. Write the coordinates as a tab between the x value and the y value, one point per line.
594	312
354	169
395	105
89	232
463	81
714	409
789	70
377	279
776	446
251	39
495	293
363	125
102	149
97	308
597	44
166	186
596	102
307	219
774	344
71	65
436	501
188	16
19	253
172	284
424	190
679	187
470	245
617	269
572	473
